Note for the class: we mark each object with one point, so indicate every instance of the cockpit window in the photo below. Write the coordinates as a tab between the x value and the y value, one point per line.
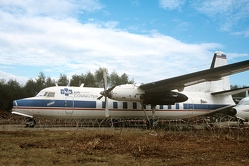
42	93
50	94
46	94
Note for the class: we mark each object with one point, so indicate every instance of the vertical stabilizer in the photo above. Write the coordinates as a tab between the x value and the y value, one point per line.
219	59
222	84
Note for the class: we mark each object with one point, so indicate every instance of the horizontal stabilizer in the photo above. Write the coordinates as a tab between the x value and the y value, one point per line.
231	92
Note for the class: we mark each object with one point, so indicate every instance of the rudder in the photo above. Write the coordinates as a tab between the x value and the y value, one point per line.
219	59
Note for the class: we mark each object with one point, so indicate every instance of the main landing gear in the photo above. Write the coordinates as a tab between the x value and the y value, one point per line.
30	122
151	123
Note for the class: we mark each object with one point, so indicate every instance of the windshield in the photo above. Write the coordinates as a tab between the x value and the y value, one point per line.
41	93
45	94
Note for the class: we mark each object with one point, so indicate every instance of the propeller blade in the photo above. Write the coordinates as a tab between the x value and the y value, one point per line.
100	97
106	108
105	80
105	93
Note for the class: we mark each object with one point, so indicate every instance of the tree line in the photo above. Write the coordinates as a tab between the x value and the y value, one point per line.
11	90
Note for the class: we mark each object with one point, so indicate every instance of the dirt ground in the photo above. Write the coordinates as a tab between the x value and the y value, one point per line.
108	146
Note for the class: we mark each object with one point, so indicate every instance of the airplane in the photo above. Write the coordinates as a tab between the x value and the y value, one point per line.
195	94
241	110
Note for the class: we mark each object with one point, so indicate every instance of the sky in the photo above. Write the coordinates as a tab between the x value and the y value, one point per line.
149	40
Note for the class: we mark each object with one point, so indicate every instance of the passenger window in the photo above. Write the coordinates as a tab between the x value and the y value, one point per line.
51	94
45	94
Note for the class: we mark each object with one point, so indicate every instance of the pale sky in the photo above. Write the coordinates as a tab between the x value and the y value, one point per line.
148	40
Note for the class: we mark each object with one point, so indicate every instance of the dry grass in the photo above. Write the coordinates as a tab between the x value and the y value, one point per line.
108	147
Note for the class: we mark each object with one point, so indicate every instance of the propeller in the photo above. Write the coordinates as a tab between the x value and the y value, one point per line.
106	93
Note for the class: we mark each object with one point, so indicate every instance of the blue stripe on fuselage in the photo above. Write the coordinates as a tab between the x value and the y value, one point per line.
93	104
56	103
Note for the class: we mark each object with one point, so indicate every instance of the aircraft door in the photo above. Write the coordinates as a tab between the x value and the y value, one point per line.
190	107
69	104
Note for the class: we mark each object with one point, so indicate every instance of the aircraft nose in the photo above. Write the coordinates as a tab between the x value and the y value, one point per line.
232	112
15	103
22	102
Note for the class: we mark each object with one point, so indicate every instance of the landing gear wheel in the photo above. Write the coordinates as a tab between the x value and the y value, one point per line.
30	122
152	123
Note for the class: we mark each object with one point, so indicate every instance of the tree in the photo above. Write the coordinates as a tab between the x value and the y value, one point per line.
125	79
114	79
77	80
49	82
40	81
3	95
89	80
63	80
30	88
14	91
99	77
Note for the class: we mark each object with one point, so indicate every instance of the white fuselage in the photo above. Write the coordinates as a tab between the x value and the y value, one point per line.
81	102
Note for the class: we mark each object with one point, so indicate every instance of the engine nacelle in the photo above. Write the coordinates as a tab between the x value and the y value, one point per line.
127	92
163	98
131	92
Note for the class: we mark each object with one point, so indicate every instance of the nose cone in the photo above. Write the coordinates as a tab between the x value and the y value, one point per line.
22	103
15	103
181	98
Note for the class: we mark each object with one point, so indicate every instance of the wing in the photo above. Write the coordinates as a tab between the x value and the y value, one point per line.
211	74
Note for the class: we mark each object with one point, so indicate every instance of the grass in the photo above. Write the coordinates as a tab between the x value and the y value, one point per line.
108	147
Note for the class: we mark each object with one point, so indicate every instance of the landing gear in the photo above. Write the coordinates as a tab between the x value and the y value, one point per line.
150	123
30	122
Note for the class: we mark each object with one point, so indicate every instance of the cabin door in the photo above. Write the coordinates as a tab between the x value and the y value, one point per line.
190	107
69	104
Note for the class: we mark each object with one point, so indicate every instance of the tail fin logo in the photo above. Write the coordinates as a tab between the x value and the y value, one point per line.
222	56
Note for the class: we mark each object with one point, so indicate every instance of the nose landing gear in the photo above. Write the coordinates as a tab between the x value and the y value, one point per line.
30	122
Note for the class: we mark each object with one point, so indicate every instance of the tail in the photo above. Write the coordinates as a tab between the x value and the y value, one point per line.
219	59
